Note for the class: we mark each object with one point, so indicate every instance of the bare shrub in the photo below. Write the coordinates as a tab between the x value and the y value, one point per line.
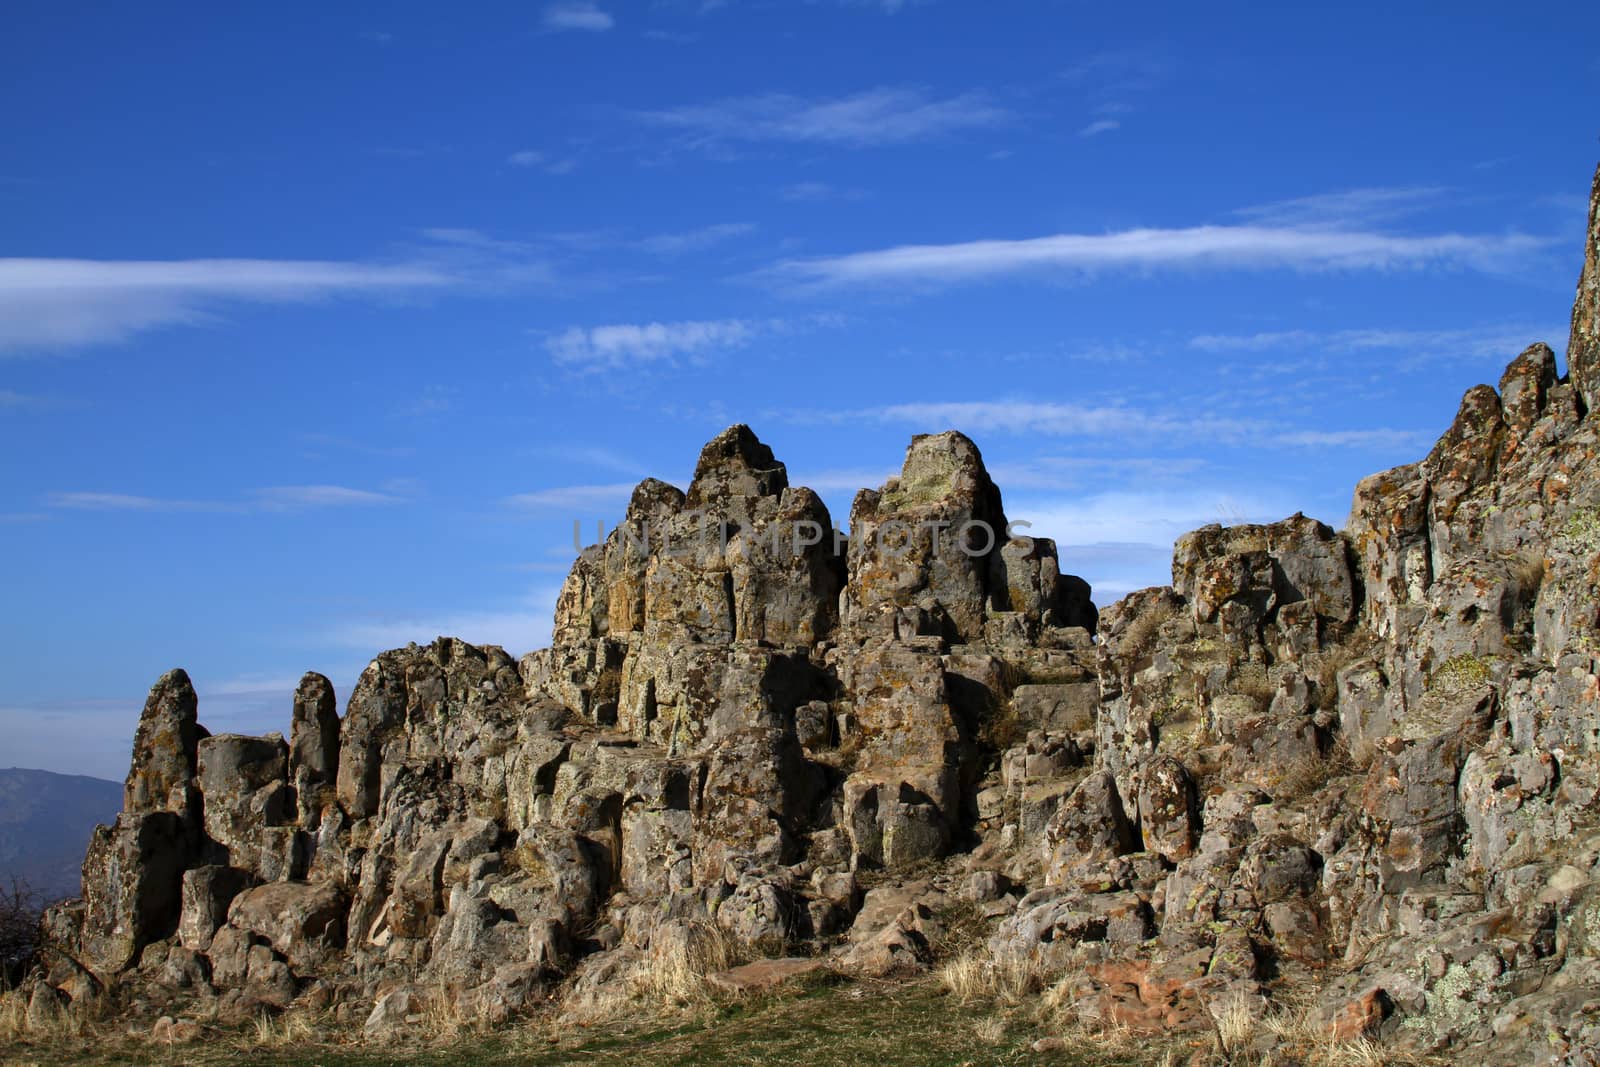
20	910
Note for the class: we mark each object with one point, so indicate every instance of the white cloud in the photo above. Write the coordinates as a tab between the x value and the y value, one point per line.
1064	472
577	15
1107	421
1054	419
1099	126
613	495
885	115
274	498
674	244
1498	342
1378	438
549	164
848	480
1133	517
1122	540
1350	207
623	343
1197	247
519	629
816	193
296	497
11	399
62	303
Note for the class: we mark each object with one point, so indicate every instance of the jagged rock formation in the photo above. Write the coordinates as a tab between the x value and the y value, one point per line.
1371	756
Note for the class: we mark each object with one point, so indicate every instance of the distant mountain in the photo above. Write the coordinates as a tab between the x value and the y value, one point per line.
45	823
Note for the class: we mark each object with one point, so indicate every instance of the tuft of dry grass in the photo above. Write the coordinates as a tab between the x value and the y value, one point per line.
991	1030
1236	1028
288	1029
674	970
54	1025
976	975
1141	633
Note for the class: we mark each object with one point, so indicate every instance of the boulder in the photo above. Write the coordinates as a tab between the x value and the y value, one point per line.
305	923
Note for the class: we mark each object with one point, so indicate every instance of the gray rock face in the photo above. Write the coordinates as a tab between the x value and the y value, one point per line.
1583	347
164	748
314	734
1367	759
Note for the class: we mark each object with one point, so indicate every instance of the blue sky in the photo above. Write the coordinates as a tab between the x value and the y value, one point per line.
320	324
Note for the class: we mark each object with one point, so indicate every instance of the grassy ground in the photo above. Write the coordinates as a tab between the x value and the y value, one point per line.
826	1025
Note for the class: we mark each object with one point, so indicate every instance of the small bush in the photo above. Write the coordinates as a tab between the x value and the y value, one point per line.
20	910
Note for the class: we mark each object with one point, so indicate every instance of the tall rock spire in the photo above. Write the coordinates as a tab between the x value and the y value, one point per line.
1583	349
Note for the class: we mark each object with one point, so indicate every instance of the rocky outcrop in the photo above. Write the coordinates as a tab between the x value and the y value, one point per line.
1583	347
1368	758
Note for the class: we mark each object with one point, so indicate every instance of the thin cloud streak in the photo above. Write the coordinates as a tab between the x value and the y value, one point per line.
1198	247
676	244
282	498
578	15
1486	341
881	116
620	344
1110	422
521	628
573	497
48	304
1348	208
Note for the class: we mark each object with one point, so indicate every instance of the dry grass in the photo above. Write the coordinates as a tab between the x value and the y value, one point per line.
290	1029
13	1015
674	971
1304	775
1236	1026
1291	1035
977	975
977	1013
57	1025
669	979
991	1030
1141	633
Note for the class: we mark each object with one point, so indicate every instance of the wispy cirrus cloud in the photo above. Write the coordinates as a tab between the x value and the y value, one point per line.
1378	438
816	193
1099	126
1192	248
880	116
887	7
677	244
1108	422
1054	419
1121	540
520	627
50	304
1497	341
534	159
574	497
1347	208
618	344
580	15
280	498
